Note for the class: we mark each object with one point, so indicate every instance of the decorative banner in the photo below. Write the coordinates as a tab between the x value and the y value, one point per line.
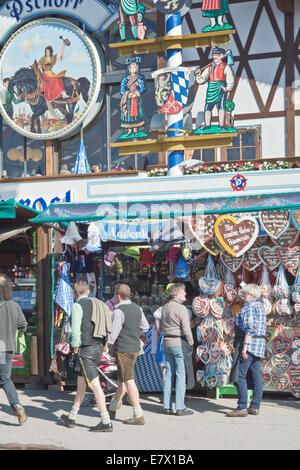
168	7
295	215
43	99
251	259
275	223
171	89
232	263
269	257
290	258
202	227
288	238
236	235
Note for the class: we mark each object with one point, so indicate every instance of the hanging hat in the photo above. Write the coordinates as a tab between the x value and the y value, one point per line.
182	270
147	258
109	258
94	242
71	236
173	254
132	251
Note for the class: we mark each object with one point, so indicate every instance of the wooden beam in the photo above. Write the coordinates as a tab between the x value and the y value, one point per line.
49	157
286	6
289	85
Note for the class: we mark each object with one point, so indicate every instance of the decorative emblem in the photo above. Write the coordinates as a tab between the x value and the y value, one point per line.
171	89
51	77
169	6
238	182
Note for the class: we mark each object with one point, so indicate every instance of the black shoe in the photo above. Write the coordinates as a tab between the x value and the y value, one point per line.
167	411
203	128
112	414
184	412
102	427
70	423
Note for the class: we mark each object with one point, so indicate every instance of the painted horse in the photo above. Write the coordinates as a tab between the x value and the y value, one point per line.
27	85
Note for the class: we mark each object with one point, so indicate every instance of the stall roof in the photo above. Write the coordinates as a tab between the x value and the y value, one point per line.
11	209
87	212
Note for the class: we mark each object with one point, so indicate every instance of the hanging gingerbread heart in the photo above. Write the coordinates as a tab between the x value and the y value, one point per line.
290	258
275	223
269	335
200	306
294	373
211	380
288	238
200	377
266	377
212	246
236	235
280	362
296	341
230	293
203	354
217	307
295	215
202	226
251	259
266	359
295	357
267	305
232	263
269	257
281	344
295	389
280	382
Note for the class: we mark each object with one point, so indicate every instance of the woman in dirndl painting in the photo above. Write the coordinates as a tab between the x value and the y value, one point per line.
131	105
214	10
52	83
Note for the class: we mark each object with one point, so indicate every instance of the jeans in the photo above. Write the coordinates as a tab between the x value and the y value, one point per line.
5	378
174	369
252	364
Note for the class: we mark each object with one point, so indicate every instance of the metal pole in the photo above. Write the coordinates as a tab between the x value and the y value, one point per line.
25	157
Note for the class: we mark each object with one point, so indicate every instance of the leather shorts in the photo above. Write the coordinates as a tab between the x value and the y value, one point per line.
89	360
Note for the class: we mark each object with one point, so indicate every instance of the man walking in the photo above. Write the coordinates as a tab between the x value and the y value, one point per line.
128	324
11	320
91	323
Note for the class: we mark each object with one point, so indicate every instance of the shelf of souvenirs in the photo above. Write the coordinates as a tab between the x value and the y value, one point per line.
167	144
163	43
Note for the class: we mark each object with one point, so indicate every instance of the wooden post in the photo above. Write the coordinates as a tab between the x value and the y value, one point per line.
49	157
161	63
289	81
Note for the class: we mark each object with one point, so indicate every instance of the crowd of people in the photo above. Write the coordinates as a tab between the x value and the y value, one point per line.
118	325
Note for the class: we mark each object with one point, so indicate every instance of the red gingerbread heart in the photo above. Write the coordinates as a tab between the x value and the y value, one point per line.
281	344
290	258
201	306
236	235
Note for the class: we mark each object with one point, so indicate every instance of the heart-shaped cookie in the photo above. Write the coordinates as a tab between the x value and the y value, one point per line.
295	389
288	238
236	235
202	227
211	380
280	362
217	307
280	382
231	262
251	259
295	357
269	257
290	258
294	373
228	327
269	335
212	246
203	354
266	377
295	216
296	341
200	377
208	285
267	305
230	293
281	344
200	306
275	223
267	357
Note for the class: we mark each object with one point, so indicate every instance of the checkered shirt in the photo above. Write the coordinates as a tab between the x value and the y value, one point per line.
252	321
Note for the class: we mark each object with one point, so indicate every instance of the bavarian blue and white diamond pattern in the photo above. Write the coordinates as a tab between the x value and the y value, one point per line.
180	86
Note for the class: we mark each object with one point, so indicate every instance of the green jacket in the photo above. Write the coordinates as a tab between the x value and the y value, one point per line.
11	319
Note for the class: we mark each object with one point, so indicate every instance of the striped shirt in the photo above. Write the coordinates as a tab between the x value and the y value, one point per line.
252	321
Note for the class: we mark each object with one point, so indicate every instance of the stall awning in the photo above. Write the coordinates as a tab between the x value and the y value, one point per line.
6	233
11	209
87	212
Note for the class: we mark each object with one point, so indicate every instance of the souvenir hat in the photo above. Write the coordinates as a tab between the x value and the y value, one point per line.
132	251
93	243
109	258
147	258
71	236
182	270
173	254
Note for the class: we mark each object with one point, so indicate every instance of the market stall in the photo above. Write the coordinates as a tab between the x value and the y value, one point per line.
211	246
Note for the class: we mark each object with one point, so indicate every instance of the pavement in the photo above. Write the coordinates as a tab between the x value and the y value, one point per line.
276	427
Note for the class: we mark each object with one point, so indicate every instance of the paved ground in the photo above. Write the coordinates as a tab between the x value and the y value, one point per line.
277	426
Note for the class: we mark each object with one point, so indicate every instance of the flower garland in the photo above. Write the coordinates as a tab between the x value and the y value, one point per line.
230	168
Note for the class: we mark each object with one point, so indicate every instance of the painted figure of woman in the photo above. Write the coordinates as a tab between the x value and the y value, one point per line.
215	10
133	85
52	85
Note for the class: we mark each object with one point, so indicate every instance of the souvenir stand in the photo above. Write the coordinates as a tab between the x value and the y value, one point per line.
211	253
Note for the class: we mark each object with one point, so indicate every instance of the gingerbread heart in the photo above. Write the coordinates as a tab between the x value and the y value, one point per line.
203	354
294	373
268	355
266	377
280	362
230	293
288	238
251	259
275	223
269	257
267	305
202	227
211	380
295	215
212	246
280	382
281	345
231	262
269	335
236	235
200	377
295	357
296	341
228	327
215	354
295	389
200	306
290	258
217	307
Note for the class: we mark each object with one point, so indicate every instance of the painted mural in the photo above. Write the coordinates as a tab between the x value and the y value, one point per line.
50	77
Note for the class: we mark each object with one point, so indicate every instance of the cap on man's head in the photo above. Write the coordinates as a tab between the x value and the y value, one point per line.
218	50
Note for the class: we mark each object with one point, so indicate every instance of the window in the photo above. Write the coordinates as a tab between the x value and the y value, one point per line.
245	146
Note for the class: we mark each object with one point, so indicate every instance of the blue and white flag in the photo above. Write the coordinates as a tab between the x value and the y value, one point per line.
81	164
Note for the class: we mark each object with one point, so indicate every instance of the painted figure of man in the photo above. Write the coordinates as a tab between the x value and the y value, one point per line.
134	10
214	10
8	98
221	81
